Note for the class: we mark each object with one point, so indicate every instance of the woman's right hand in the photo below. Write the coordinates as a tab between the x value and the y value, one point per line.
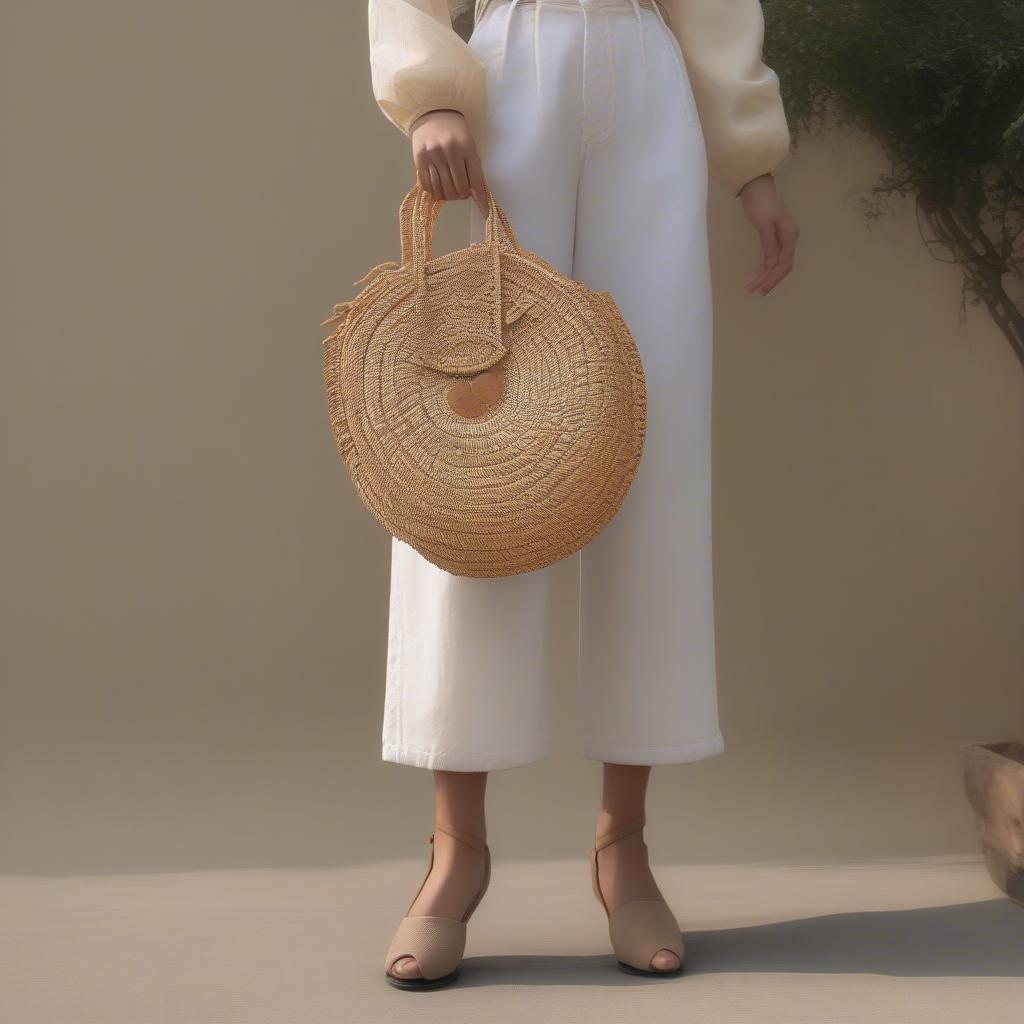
447	163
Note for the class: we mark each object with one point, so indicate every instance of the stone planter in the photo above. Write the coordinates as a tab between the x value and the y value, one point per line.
994	780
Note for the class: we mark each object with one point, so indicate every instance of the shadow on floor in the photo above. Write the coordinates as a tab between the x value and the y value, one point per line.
983	939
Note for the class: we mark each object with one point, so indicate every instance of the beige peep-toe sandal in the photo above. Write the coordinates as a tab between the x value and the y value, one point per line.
639	928
437	943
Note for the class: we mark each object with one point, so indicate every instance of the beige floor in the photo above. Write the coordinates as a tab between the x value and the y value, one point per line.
905	941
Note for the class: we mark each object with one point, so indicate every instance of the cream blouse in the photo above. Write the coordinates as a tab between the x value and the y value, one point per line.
418	63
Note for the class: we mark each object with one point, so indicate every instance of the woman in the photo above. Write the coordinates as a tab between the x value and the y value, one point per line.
597	123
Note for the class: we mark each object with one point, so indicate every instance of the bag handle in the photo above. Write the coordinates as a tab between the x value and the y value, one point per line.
462	324
417	215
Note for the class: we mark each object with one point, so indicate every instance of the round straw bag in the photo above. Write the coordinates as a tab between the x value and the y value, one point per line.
490	411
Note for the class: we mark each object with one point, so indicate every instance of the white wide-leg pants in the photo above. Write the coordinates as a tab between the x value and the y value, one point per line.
594	149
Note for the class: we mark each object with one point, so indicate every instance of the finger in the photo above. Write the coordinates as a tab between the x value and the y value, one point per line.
481	204
440	165
436	189
757	278
457	172
771	279
477	182
781	271
770	256
423	171
770	243
788	234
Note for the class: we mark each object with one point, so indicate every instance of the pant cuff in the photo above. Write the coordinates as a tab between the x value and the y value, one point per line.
453	761
598	750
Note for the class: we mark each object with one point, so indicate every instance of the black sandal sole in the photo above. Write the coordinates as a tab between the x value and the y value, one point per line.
421	984
630	969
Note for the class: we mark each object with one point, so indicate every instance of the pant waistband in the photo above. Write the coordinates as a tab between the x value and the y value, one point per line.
584	7
578	4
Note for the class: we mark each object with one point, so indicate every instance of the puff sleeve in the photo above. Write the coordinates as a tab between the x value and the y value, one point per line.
737	94
419	63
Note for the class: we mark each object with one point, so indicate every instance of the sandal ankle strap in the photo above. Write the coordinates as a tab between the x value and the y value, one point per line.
613	835
463	837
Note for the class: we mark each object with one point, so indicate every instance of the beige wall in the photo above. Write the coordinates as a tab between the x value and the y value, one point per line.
194	601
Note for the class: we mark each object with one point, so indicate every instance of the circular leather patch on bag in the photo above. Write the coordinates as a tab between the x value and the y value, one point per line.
477	395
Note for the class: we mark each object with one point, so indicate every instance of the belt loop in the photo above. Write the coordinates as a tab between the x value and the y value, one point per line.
640	33
536	40
661	15
536	43
583	78
504	41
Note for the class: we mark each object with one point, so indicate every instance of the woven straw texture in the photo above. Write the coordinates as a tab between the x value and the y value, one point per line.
490	411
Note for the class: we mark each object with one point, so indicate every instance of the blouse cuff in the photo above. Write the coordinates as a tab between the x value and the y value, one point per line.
418	63
737	95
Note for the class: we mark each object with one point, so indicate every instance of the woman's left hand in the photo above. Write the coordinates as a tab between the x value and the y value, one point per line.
767	212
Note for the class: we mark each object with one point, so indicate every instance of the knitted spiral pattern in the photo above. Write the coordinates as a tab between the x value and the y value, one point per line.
490	411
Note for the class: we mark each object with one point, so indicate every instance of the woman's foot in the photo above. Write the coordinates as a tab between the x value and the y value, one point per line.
455	878
625	875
